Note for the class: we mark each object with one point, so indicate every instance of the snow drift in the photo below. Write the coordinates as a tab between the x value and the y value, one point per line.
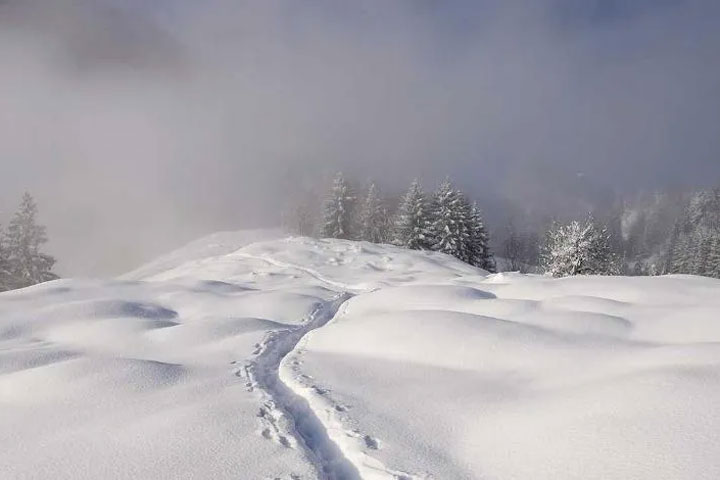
301	358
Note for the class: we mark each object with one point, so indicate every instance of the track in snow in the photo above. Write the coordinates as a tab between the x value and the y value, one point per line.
309	271
285	406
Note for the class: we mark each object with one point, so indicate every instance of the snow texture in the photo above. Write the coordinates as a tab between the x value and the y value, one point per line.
339	360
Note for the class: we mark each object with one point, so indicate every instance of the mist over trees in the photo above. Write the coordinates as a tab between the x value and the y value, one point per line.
339	218
22	261
644	234
694	245
375	223
445	222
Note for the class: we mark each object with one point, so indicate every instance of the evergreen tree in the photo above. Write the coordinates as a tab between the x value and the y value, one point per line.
24	239
5	274
713	261
479	242
672	250
339	210
682	255
702	244
412	223
374	222
578	249
450	213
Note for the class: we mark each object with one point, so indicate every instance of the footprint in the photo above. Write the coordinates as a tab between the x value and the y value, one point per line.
320	390
371	443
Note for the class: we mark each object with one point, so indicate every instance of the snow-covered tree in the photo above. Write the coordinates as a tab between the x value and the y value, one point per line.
412	223
450	222
27	263
578	248
374	220
693	247
713	260
5	274
479	242
339	215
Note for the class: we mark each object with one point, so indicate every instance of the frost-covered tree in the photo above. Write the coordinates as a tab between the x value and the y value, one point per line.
339	215
374	219
479	242
693	247
5	275
450	222
578	248
28	265
713	260
413	221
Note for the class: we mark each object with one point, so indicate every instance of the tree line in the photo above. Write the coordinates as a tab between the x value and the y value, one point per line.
447	221
443	221
650	235
694	243
22	261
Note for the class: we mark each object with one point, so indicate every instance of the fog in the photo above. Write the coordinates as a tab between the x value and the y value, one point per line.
141	125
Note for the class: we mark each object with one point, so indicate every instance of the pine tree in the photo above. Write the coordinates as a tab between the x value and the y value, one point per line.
339	210
450	213
479	242
713	261
578	249
682	255
28	265
5	274
672	250
412	223
374	222
702	244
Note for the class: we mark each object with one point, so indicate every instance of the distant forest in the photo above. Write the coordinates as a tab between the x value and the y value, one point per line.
646	234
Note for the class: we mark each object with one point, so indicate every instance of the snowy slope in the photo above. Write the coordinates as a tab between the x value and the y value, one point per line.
219	243
298	358
518	377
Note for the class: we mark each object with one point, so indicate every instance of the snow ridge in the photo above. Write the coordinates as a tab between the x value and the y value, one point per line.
283	409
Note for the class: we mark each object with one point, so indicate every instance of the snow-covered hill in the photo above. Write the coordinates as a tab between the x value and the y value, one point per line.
301	358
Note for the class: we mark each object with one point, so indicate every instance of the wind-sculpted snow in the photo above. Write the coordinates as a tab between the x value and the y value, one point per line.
256	363
524	377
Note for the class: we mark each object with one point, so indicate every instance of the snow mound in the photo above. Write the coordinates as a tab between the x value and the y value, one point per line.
219	243
522	377
243	357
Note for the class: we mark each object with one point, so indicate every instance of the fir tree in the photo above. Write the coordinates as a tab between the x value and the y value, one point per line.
682	256
479	242
702	245
5	274
578	249
24	239
374	222
412	223
339	210
450	213
672	250
713	260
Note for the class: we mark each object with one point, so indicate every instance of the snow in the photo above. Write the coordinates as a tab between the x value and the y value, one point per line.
300	358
